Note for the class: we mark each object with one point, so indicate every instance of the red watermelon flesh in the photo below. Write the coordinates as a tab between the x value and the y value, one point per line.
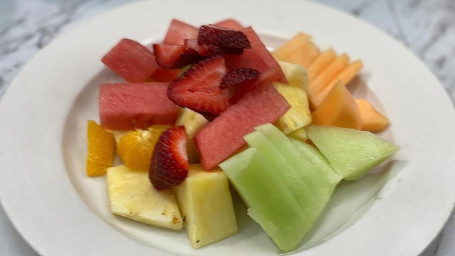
257	57
229	23
165	75
220	138
178	31
264	78
131	61
131	106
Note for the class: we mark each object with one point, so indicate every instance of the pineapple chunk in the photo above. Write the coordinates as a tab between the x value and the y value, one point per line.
299	134
299	114
296	75
131	195
206	205
192	121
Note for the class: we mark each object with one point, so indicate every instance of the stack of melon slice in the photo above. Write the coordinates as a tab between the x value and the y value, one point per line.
328	73
287	183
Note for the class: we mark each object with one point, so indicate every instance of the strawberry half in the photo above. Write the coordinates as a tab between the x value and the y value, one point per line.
169	165
172	56
226	41
199	87
203	50
239	76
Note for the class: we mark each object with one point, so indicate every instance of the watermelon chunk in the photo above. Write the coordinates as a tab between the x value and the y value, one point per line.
264	78
229	23
258	57
223	136
178	31
135	106
165	75
131	61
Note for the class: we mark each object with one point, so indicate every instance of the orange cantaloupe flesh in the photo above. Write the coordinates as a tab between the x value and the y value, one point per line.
372	120
309	53
325	77
344	76
288	48
299	50
338	109
320	63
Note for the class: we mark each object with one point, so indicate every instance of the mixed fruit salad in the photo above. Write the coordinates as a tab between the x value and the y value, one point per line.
211	106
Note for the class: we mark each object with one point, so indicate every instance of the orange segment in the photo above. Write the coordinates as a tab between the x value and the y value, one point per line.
320	63
135	148
372	120
101	149
338	109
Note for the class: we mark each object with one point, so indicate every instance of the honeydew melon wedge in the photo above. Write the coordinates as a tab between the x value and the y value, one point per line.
350	152
298	171
287	183
294	179
318	178
270	202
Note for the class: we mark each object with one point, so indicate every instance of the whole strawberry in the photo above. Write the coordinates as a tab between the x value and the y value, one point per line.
169	165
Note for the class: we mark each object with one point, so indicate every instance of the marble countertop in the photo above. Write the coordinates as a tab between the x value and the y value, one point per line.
425	27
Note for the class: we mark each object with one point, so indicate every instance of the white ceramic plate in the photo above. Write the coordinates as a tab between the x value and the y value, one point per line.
60	211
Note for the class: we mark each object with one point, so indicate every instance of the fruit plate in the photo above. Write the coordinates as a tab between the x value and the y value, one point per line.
59	211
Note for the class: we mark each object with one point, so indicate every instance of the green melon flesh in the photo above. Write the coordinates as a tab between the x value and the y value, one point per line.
351	153
317	177
273	165
270	202
294	179
307	174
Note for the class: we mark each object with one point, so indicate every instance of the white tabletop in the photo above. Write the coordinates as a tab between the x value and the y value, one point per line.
426	27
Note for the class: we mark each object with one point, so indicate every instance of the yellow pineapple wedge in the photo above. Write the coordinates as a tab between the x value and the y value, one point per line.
299	134
299	115
206	204
296	75
131	195
192	121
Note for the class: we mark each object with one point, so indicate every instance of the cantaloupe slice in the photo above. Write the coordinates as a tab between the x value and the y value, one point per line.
325	77
348	73
338	109
320	63
303	55
372	120
290	47
299	50
344	76
309	53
